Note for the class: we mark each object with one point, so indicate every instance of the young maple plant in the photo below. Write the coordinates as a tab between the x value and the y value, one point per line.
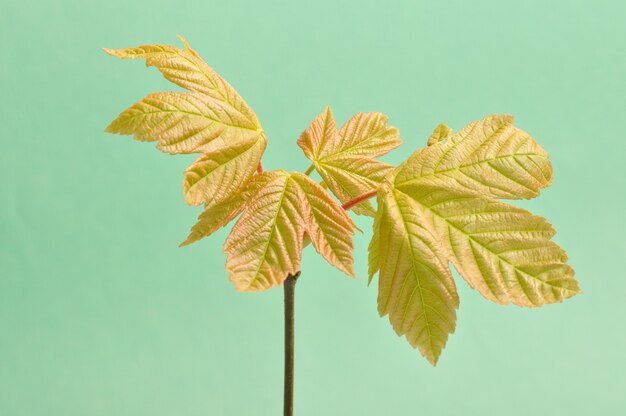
442	205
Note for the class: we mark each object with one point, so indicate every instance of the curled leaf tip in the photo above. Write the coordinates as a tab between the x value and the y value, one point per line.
184	41
112	52
507	118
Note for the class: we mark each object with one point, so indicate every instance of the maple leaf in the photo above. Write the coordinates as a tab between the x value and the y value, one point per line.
415	284
503	251
440	206
490	156
183	123
345	158
185	68
220	214
266	243
211	118
222	172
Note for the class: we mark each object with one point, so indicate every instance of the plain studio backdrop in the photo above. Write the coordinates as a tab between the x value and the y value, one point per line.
102	314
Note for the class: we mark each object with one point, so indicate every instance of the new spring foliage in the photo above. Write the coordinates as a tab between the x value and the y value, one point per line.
440	207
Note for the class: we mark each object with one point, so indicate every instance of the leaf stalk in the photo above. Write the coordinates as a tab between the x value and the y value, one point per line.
359	199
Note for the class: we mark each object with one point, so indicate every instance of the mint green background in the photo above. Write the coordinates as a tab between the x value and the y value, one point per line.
102	314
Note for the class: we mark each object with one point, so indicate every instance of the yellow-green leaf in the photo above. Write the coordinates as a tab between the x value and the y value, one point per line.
505	252
185	68
328	226
345	158
415	285
444	198
489	156
373	260
365	134
212	119
184	123
266	243
352	176
222	172
321	130
221	213
214	218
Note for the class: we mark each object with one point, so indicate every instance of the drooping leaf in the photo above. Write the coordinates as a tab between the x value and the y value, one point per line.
266	243
373	259
443	196
415	285
345	158
219	214
214	218
221	172
328	226
489	156
503	251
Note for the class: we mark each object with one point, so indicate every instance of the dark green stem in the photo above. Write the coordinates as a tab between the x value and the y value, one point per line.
290	290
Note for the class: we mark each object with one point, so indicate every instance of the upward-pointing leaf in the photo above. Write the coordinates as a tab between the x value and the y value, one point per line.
345	158
365	134
266	243
489	156
415	285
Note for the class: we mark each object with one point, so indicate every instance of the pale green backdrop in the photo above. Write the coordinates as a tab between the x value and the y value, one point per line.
101	313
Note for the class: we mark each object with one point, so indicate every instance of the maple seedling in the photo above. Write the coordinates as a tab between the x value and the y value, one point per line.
440	206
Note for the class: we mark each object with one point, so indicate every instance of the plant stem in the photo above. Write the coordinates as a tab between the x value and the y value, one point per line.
359	199
310	170
290	290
